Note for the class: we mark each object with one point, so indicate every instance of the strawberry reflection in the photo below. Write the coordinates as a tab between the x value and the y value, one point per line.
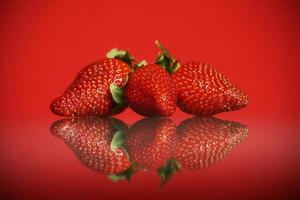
151	142
97	142
105	145
205	141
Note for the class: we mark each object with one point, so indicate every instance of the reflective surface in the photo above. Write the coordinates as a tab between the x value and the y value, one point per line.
184	157
107	146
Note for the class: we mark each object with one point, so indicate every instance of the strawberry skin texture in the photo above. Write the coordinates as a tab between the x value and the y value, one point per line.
205	141
151	142
151	91
89	94
203	90
89	139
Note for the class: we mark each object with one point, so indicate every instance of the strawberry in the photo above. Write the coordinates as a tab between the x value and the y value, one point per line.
151	91
96	142
151	142
96	89
202	89
205	141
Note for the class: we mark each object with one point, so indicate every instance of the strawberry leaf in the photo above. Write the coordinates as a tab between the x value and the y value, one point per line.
175	66
117	93
118	140
116	177
141	63
168	171
113	53
165	59
126	175
164	50
118	96
121	55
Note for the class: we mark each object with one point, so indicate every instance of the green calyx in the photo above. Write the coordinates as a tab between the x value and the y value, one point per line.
125	56
121	55
125	175
166	173
141	63
117	93
165	59
118	96
118	140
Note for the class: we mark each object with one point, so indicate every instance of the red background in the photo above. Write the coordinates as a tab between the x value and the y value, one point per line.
45	43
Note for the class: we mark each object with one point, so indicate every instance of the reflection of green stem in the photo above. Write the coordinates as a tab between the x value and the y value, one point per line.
127	174
167	172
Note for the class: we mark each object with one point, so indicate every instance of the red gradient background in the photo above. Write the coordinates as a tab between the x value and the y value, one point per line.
45	43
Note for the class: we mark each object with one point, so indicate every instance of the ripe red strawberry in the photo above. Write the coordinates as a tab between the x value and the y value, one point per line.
205	141
90	92
151	91
97	142
151	142
202	89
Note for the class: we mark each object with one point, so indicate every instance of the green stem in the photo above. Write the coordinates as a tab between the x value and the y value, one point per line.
125	56
165	59
164	50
